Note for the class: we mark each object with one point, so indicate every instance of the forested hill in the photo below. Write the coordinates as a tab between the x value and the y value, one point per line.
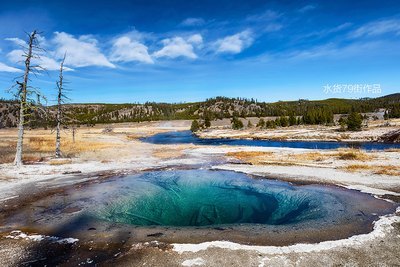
214	108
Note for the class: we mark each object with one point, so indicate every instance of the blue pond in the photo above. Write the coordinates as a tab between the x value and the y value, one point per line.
205	197
186	137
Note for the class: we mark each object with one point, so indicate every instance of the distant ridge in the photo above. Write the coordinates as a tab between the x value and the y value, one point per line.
213	108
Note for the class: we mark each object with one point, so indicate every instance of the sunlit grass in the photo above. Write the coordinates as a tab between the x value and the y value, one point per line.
390	170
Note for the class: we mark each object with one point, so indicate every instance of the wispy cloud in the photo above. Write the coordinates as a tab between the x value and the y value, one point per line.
307	8
376	28
6	68
81	52
193	22
126	50
179	47
234	44
333	50
265	22
16	41
328	31
267	15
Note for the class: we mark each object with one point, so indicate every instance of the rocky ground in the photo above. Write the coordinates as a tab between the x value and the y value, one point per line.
120	151
375	129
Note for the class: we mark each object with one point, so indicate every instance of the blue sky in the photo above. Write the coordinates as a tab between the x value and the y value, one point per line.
183	51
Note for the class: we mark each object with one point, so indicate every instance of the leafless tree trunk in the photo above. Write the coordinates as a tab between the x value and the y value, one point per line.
60	97
73	133
22	92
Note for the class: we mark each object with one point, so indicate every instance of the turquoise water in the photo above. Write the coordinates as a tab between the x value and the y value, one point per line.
206	197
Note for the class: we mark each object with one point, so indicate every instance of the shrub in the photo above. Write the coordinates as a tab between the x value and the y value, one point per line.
261	123
236	123
195	126
354	121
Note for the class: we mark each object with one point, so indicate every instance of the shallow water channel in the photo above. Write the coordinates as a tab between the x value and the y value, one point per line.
186	137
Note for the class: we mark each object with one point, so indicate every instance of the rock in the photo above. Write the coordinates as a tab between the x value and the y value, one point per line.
391	137
155	235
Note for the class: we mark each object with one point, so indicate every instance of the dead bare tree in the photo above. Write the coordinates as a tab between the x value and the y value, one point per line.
60	100
25	91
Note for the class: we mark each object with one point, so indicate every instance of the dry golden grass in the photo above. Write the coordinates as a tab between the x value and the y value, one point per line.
388	170
356	167
40	144
393	150
270	158
311	156
253	157
7	155
352	154
376	169
68	147
163	153
60	161
132	137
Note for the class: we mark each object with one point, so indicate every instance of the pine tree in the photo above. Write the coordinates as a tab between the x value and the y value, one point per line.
261	123
195	126
236	123
207	122
292	120
354	121
284	122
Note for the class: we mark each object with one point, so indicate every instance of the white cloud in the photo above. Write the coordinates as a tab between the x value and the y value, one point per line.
40	39
177	47
377	28
81	52
16	56
193	22
125	50
196	39
234	44
16	41
50	64
6	68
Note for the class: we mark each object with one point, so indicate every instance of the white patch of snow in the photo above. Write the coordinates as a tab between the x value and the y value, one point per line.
381	228
193	262
68	240
374	191
37	238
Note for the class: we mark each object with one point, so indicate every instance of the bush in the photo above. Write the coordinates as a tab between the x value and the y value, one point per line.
195	126
284	122
292	120
354	121
236	123
207	122
261	123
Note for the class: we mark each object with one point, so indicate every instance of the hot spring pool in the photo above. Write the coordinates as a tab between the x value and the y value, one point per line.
198	205
204	198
